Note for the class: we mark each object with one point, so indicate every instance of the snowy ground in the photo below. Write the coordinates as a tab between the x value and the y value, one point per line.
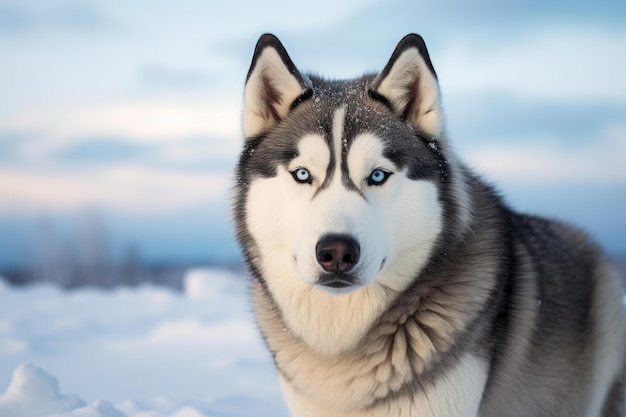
145	352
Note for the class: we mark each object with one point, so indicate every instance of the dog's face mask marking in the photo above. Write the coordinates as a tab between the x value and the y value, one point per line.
340	215
334	201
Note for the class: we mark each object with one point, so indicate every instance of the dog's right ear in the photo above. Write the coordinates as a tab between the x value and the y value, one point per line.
273	87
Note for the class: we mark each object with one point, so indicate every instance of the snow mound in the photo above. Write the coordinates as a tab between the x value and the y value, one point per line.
97	409
189	412
35	393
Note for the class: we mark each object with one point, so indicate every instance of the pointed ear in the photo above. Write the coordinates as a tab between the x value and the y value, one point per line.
408	84
273	87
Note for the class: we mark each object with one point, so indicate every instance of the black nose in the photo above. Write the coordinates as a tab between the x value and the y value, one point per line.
337	253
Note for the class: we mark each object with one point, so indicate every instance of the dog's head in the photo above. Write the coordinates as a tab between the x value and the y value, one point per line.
339	184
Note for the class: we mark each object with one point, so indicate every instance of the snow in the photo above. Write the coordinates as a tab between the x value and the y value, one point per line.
142	352
34	393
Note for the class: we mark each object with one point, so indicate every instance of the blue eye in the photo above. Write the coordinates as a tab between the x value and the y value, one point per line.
378	177
301	175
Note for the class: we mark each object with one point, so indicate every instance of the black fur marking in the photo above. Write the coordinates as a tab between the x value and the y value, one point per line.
374	95
433	146
327	134
421	161
306	95
345	176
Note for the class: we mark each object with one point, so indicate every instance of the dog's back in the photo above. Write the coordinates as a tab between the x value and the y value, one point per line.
560	349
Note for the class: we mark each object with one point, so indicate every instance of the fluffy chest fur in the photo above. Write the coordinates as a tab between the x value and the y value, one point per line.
355	353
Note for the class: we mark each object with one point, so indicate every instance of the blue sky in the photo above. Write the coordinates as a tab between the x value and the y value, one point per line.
131	109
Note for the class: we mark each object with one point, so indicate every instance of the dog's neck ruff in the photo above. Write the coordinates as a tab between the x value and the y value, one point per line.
393	349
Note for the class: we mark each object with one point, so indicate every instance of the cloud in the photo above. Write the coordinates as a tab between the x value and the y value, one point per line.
138	121
10	345
14	18
154	157
118	187
555	64
477	119
99	150
143	123
196	153
550	162
158	76
19	18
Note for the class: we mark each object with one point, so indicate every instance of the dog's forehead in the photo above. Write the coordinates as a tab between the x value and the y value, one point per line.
341	110
349	113
338	113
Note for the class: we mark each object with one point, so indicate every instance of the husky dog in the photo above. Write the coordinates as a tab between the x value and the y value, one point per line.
390	280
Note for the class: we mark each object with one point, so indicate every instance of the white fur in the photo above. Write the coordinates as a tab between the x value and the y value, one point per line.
455	394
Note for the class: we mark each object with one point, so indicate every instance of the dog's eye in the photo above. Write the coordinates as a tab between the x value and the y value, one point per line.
378	177
302	176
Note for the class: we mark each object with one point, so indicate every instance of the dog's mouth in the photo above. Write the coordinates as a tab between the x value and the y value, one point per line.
337	283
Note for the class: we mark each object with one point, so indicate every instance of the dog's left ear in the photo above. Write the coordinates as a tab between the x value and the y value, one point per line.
408	84
273	87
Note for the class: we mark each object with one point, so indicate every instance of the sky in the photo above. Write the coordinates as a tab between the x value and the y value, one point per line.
129	112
